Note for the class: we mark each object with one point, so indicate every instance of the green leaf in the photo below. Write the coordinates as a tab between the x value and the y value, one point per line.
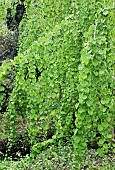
1	97
101	142
2	88
76	105
105	13
105	100
109	136
100	128
100	151
90	111
105	146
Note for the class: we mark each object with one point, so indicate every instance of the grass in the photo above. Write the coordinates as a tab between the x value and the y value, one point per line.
59	159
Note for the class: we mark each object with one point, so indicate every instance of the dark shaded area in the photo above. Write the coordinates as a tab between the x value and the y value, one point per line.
9	19
8	87
20	10
19	147
3	148
38	74
14	21
9	44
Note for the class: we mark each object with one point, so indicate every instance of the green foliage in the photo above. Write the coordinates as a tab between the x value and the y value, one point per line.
55	158
64	77
4	4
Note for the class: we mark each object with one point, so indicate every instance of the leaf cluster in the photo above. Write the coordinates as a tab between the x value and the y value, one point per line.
65	76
